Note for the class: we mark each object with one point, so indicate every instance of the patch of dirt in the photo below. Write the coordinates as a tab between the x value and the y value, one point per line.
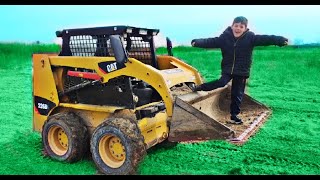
179	90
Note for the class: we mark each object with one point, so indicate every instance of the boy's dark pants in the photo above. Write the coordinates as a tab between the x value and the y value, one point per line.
237	89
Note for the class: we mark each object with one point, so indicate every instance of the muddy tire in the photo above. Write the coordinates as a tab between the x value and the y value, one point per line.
65	137
117	147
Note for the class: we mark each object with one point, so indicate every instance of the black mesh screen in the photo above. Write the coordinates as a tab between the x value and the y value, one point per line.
140	49
99	45
86	45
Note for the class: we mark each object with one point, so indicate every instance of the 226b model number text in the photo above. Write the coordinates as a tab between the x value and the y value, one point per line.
42	106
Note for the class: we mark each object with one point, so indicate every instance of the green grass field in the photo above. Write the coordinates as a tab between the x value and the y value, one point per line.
286	79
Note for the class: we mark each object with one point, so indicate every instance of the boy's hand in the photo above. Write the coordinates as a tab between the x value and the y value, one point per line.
193	42
283	42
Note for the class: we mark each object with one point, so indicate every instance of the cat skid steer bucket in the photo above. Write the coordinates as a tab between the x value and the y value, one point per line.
200	116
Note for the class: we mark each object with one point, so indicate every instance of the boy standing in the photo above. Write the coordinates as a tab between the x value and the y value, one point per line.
236	44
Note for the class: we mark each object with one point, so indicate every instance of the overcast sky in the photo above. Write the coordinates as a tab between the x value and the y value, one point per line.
181	23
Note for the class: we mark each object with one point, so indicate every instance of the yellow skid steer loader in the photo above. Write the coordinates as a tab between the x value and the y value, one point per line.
107	93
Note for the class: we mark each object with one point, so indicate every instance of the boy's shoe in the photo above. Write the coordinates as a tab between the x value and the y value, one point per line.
196	88
236	120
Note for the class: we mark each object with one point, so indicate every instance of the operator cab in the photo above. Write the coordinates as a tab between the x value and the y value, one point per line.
138	42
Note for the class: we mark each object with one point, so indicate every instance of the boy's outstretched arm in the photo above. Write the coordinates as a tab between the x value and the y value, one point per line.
266	40
206	43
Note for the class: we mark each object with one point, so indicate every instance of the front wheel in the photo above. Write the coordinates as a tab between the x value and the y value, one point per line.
117	147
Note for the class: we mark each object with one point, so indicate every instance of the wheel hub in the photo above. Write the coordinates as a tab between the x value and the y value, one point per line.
58	140
116	148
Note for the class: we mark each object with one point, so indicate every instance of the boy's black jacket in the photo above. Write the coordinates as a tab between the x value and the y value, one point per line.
237	53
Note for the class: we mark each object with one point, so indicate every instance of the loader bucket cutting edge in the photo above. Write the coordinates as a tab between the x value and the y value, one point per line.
201	116
251	130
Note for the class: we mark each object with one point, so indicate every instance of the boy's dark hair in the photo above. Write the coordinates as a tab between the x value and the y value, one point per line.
241	19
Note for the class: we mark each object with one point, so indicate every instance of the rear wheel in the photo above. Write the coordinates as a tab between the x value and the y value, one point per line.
117	146
65	137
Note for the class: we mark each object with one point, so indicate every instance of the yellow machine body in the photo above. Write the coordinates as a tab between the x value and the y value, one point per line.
48	81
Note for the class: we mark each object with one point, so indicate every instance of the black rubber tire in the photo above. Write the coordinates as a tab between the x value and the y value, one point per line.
132	143
73	129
